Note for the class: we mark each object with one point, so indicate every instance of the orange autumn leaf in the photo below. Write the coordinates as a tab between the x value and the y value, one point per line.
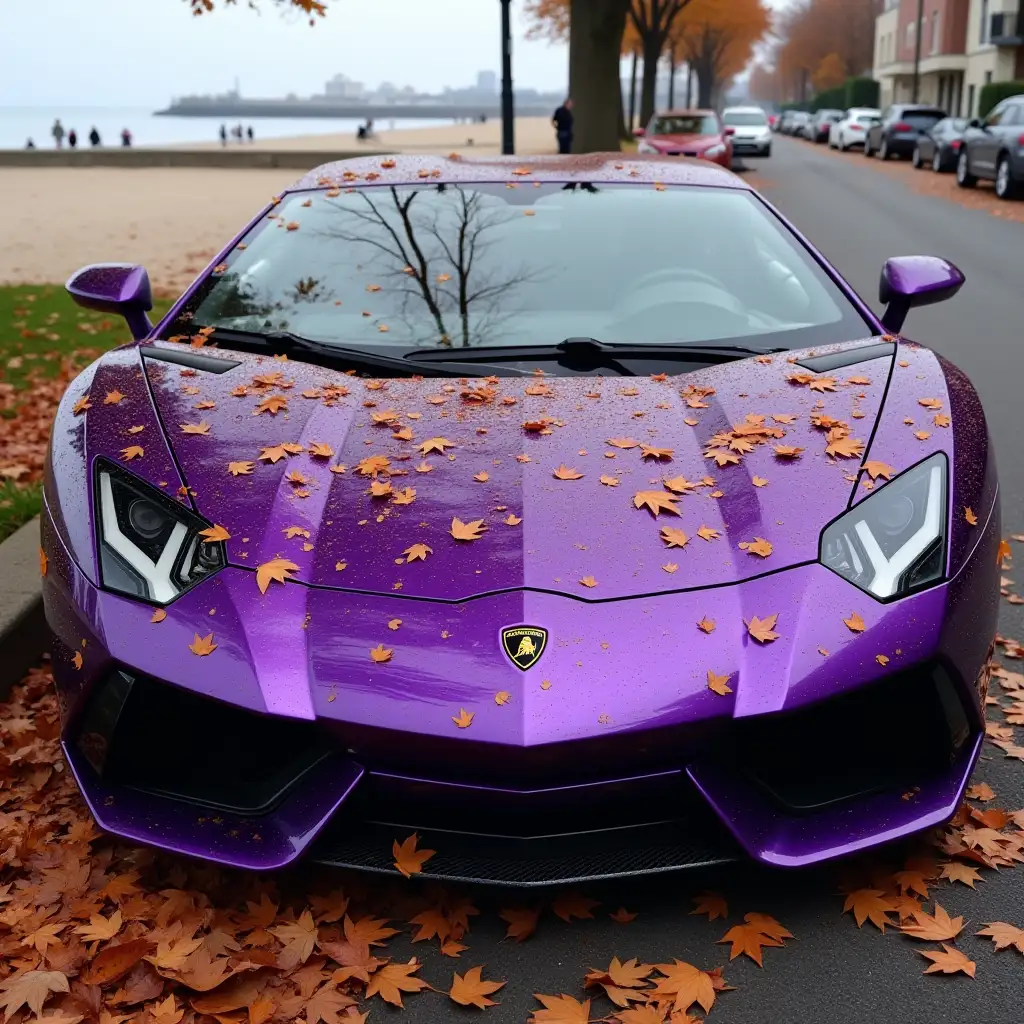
948	961
648	452
758	546
482	477
706	625
202	645
502	697
673	537
708	533
969	515
195	428
565	473
214	533
657	502
855	623
467	531
937	927
81	405
623	916
845	447
1003	935
711	903
671	567
588	581
623	442
77	660
522	922
560	1009
406	496
276	570
464	719
241	468
882	659
785	451
372	465
417	551
435	444
878	469
759	481
870	905
719	684
763	630
132	452
512	519
609	481
391	980
408	859
471	990
686	984
568	905
930	403
319	449
159	614
380	654
748	939
113	398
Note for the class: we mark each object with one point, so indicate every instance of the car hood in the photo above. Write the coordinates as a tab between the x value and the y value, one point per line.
457	450
674	141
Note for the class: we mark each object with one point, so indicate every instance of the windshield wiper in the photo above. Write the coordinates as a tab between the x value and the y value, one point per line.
326	354
589	353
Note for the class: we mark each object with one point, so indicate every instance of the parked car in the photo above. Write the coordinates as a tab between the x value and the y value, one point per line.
994	149
896	132
698	133
820	125
752	131
852	129
797	122
939	147
300	721
783	122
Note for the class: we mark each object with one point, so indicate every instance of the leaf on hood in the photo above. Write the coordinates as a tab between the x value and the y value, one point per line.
706	625
588	581
133	451
276	570
757	546
785	451
719	684
937	927
609	481
538	426
948	961
878	469
763	630
372	465
202	645
276	452
565	473
195	428
882	659
941	420
930	403
214	533
759	481
969	515
845	447
81	405
464	719
656	502
679	485
435	444
320	449
708	533
380	654
855	623
471	990
512	519
467	531
406	496
674	537
722	457
671	567
394	623
113	398
291	532
408	859
417	551
482	477
380	489
241	468
159	614
649	452
522	922
623	442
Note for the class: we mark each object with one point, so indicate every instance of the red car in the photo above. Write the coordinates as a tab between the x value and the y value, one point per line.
697	133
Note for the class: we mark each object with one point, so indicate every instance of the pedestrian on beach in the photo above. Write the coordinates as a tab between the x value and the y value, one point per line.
30	144
94	137
126	138
562	120
72	138
249	132
57	131
223	135
239	132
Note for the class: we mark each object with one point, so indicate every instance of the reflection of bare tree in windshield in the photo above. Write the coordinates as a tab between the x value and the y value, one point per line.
434	251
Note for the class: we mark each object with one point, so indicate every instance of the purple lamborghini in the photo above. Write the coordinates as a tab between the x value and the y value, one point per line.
577	517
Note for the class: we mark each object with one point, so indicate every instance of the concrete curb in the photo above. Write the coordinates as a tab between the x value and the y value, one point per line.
23	631
240	159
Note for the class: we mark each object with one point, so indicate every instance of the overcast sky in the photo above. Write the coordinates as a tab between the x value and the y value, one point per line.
144	52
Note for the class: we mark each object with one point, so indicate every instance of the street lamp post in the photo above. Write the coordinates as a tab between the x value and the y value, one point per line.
917	52
508	114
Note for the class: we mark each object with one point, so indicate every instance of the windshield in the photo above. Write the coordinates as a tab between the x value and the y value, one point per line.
830	115
685	124
922	118
744	118
437	264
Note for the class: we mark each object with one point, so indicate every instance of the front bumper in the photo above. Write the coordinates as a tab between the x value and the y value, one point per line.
751	147
526	795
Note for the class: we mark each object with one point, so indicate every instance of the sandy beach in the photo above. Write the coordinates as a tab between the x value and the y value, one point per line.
172	220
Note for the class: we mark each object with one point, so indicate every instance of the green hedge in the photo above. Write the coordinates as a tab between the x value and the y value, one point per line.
996	92
861	92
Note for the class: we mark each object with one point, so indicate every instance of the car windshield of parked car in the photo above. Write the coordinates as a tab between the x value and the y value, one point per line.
685	124
744	118
922	119
830	115
437	264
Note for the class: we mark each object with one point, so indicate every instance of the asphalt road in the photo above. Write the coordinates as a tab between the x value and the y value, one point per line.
831	971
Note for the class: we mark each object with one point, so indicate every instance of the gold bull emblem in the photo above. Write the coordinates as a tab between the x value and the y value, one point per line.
527	648
523	645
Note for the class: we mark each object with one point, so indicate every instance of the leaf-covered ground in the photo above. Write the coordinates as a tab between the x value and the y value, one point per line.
96	930
45	341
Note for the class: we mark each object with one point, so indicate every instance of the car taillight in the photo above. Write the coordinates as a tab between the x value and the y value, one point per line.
856	127
902	126
1020	141
954	145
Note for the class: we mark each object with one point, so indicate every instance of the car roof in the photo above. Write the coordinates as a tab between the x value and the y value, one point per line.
685	112
743	110
632	169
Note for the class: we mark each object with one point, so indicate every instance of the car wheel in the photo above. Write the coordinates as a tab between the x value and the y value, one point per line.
1006	187
842	144
916	159
964	178
867	146
883	150
937	161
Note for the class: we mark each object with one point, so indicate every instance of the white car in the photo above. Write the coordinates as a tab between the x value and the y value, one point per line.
751	131
852	129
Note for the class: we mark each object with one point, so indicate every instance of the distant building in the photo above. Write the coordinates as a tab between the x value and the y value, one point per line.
341	87
487	82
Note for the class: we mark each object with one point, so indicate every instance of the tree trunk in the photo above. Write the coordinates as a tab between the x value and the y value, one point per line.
689	84
653	44
595	45
705	83
632	94
671	81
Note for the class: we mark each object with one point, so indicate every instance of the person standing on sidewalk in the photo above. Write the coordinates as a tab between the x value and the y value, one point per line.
94	137
562	121
72	138
57	131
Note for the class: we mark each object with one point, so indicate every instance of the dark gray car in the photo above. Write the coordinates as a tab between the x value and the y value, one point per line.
896	132
939	147
994	149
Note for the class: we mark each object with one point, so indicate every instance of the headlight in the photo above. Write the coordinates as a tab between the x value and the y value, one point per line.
893	542
712	151
150	547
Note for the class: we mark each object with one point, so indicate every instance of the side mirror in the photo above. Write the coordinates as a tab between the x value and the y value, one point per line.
121	288
910	281
975	123
639	133
729	131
